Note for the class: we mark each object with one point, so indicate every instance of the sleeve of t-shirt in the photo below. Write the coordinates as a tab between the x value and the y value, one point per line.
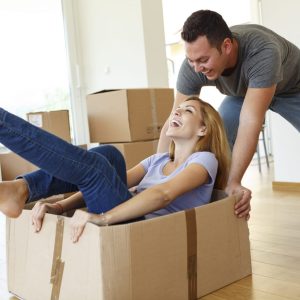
188	81
146	163
264	68
208	161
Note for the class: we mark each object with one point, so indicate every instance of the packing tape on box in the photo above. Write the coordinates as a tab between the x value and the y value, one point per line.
191	229
57	263
154	111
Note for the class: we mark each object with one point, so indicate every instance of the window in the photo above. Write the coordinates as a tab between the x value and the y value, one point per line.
34	72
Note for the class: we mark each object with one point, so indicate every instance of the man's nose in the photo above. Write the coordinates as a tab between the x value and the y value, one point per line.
198	67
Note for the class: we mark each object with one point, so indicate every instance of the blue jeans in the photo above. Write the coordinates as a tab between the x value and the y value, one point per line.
100	174
288	106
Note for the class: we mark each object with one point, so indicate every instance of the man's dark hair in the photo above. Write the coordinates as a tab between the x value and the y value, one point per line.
206	23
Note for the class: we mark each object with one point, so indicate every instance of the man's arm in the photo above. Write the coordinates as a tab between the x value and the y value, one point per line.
252	115
164	141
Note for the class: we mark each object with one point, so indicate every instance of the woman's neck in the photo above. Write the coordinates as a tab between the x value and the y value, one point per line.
182	152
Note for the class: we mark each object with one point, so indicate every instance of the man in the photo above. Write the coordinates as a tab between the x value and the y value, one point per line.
255	68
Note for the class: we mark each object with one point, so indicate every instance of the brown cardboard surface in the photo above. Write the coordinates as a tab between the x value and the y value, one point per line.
56	122
13	165
30	257
143	260
135	152
128	115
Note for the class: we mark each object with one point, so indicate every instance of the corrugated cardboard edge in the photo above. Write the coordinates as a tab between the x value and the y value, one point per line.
57	263
16	251
8	253
244	244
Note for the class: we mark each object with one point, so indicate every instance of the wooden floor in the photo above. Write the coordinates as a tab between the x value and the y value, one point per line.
275	245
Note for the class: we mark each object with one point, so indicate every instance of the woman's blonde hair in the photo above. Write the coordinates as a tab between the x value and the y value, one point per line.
215	141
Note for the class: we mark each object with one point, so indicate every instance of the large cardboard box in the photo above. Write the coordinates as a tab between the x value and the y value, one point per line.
177	257
128	115
135	152
12	165
56	122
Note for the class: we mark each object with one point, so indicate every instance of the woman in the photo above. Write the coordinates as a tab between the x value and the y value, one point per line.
166	182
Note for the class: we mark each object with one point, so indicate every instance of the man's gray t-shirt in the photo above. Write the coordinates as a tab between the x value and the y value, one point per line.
264	59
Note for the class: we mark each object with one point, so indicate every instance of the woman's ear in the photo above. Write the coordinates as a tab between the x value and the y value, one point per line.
202	131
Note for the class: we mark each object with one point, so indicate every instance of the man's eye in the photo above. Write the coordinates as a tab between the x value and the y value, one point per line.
202	61
189	110
190	62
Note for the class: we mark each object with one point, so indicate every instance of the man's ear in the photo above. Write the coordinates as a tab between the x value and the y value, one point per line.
227	45
202	131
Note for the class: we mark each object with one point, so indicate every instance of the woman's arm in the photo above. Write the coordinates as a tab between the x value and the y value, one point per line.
73	202
135	175
156	197
59	207
148	201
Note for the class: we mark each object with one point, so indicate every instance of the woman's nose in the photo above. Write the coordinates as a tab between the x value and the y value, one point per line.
177	112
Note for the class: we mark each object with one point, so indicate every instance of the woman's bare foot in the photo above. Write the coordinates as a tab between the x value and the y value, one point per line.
13	195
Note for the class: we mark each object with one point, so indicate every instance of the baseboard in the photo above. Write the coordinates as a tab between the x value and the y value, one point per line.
286	186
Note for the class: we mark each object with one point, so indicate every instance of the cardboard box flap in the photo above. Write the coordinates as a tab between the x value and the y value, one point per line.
82	274
218	228
31	256
104	91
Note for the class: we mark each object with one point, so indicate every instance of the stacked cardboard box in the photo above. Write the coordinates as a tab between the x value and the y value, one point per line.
130	119
128	115
135	152
56	122
13	165
180	256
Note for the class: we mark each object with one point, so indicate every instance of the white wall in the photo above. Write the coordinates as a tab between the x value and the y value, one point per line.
283	17
113	44
121	44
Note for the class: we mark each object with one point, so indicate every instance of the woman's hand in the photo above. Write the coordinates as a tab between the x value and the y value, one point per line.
79	220
40	209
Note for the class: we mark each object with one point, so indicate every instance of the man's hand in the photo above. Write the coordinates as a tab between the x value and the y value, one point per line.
38	213
243	207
